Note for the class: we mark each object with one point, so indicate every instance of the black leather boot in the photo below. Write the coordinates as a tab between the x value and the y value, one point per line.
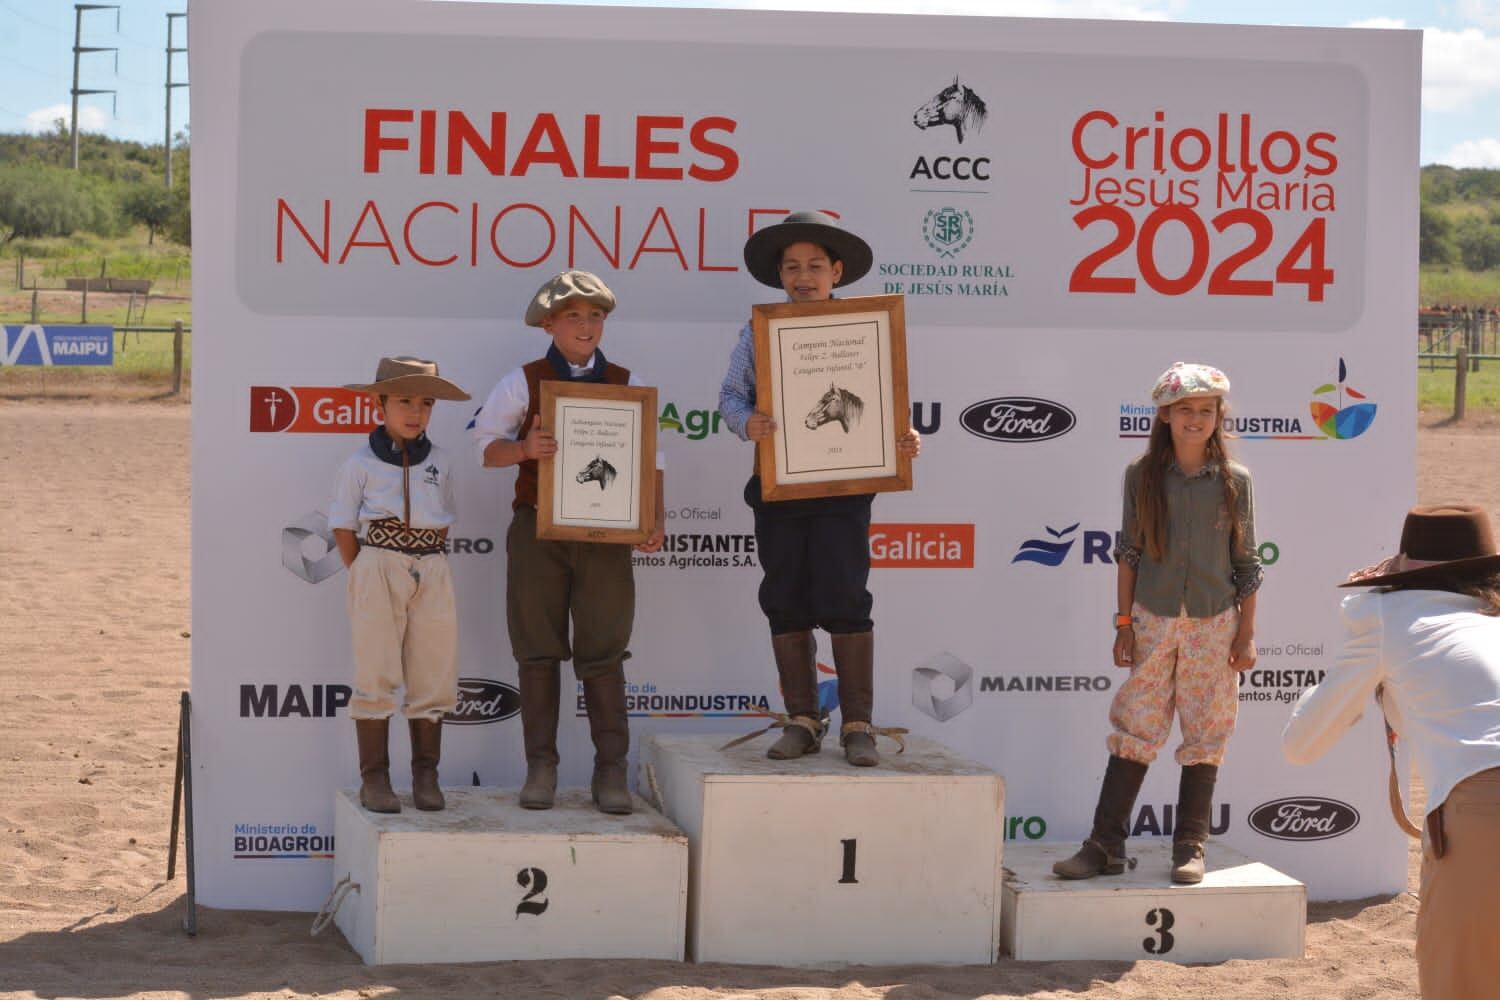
1104	852
609	724
1195	806
541	694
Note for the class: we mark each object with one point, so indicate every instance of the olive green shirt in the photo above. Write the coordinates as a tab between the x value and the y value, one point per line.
1200	576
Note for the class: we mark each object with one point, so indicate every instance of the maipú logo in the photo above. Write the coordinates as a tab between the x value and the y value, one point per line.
1018	418
1337	418
1304	817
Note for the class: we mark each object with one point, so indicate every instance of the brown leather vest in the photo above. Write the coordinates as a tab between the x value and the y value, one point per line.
536	373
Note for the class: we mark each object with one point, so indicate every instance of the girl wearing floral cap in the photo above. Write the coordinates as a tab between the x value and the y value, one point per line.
1185	628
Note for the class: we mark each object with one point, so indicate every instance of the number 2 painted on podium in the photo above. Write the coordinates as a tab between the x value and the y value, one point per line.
1164	945
536	880
849	847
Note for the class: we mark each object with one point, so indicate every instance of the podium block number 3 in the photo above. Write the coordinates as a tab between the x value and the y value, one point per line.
848	876
1162	920
533	903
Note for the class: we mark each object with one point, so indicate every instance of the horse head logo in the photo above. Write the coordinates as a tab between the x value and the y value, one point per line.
836	405
597	471
954	105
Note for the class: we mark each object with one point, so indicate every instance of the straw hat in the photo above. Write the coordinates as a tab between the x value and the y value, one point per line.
410	377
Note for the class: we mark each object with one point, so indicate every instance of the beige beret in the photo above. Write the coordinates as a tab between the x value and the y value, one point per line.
568	285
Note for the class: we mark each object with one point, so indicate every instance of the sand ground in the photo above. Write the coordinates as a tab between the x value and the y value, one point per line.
94	592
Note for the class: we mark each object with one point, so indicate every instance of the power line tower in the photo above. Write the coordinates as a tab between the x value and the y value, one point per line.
78	50
171	51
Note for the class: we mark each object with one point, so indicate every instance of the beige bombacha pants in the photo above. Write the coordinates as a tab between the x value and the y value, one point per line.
1458	937
405	632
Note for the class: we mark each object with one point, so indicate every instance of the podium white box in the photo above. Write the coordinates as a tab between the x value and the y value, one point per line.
812	861
1241	909
486	880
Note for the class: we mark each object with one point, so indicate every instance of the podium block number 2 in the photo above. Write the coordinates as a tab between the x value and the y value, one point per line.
533	903
1162	920
848	878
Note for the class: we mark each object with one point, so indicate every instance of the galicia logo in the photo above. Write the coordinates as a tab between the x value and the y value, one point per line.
1304	817
921	546
1018	418
1336	418
482	701
956	104
948	230
311	410
1096	547
942	687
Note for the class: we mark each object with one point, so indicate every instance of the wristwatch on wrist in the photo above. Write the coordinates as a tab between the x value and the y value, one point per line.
1124	621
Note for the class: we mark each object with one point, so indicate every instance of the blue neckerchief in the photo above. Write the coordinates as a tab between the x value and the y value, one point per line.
385	449
565	371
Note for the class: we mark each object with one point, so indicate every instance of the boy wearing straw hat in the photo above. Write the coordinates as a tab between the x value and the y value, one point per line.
547	581
390	516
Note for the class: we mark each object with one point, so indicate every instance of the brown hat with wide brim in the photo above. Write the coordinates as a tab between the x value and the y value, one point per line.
763	248
567	286
1437	540
410	377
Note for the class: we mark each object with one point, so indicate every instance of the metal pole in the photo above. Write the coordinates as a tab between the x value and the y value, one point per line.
190	922
171	50
177	357
77	54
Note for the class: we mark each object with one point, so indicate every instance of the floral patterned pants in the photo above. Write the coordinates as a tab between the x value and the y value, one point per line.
1182	663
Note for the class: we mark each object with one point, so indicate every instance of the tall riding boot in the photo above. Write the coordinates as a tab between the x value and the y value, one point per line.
1195	806
609	724
541	693
375	766
426	751
797	666
1104	852
854	659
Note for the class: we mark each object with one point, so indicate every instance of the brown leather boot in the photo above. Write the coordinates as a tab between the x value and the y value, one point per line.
609	724
1195	806
375	766
426	751
797	666
541	693
854	659
1104	852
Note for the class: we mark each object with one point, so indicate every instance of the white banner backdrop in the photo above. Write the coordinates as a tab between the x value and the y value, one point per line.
1068	207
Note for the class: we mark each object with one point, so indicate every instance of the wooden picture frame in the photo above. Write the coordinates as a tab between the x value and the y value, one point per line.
833	376
600	486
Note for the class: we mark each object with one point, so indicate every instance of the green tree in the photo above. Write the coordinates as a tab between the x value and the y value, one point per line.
1435	239
1478	244
40	201
180	221
151	205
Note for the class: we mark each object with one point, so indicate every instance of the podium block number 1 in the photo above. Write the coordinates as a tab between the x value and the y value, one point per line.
850	846
535	880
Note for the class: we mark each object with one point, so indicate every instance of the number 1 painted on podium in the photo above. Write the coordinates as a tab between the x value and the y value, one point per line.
849	847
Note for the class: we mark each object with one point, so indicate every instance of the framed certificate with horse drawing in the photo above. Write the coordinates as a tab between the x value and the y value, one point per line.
833	376
600	486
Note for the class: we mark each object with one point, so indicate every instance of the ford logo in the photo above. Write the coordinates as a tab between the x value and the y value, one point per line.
1305	817
481	701
1018	418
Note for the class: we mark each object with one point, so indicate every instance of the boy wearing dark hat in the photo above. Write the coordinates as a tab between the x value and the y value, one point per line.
815	553
547	581
390	516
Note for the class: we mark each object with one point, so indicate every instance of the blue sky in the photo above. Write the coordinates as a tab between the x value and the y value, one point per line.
1460	87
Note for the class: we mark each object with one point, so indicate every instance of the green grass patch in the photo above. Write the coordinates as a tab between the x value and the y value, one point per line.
1435	388
1457	286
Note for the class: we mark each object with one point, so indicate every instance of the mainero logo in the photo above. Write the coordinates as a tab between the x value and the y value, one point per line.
311	410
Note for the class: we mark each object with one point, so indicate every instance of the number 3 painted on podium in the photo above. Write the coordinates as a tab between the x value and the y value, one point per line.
1163	946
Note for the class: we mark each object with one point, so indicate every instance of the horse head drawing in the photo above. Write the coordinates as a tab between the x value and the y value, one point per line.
839	405
598	471
954	105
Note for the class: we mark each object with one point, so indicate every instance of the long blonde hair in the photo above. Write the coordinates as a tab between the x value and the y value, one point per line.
1150	527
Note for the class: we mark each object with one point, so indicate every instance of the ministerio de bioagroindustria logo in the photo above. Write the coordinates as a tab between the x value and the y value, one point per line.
1339	410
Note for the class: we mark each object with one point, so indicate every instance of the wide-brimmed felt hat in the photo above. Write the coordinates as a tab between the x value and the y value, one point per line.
1437	540
1187	378
763	248
405	376
569	285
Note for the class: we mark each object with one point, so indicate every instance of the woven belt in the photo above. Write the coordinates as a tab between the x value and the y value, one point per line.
391	533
